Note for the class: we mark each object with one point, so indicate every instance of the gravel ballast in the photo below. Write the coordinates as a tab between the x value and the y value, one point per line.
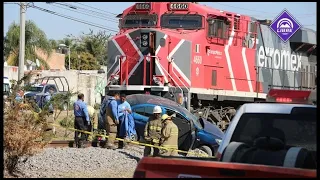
87	163
90	162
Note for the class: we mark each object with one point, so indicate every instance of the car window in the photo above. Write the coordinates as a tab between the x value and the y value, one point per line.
171	112
48	87
139	111
148	110
249	133
54	89
297	130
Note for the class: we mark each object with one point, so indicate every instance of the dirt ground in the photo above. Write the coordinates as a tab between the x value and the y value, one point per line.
61	133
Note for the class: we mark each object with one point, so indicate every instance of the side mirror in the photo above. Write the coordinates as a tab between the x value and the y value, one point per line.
174	115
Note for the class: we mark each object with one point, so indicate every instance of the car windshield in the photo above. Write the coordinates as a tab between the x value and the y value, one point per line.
295	129
157	100
35	89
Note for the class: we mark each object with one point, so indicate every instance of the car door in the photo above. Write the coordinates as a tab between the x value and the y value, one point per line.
184	125
141	114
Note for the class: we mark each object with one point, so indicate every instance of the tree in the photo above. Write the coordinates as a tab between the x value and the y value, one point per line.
53	43
34	38
82	61
93	43
97	45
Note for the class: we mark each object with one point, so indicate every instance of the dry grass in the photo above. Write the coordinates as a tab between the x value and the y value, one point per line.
22	127
26	129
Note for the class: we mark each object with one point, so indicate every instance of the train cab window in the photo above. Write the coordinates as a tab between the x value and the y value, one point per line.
139	20
218	28
184	21
253	29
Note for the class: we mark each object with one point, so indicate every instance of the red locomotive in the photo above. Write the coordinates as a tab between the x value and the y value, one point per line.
203	57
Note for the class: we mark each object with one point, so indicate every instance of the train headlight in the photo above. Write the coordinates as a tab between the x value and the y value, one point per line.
144	43
157	80
144	37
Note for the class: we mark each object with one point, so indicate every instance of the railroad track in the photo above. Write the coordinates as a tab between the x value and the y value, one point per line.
71	143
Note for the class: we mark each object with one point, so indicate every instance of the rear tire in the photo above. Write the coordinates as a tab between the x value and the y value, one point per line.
206	149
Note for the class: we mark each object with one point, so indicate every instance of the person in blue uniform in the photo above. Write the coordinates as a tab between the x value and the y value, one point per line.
81	121
124	109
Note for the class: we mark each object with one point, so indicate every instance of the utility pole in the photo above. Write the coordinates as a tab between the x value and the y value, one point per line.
23	9
69	53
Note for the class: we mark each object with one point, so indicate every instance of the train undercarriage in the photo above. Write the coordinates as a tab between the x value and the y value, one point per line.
217	112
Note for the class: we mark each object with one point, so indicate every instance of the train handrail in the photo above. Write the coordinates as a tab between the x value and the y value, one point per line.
157	60
312	85
114	63
178	77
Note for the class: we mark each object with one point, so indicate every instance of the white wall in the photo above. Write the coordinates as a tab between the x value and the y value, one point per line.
90	83
11	72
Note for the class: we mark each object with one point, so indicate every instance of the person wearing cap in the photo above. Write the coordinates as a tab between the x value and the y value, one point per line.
152	132
169	137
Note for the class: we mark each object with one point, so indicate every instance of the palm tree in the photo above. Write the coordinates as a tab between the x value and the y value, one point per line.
34	38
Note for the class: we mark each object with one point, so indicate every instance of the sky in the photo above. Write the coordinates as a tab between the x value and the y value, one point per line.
103	14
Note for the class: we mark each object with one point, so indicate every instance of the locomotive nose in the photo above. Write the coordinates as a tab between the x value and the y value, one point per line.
133	48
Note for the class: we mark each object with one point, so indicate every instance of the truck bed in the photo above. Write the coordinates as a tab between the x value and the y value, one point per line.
160	167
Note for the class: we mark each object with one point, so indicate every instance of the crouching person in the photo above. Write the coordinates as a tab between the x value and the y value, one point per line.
169	139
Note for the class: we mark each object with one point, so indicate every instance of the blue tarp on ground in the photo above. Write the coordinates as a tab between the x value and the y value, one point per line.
127	126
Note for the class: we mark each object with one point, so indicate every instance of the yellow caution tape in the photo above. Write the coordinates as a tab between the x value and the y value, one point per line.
133	142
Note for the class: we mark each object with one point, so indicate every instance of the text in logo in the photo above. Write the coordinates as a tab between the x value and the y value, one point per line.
213	52
280	59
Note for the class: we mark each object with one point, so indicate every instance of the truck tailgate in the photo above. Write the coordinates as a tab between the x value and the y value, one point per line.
156	167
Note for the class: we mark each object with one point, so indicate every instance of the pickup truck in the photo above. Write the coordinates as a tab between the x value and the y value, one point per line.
37	90
263	140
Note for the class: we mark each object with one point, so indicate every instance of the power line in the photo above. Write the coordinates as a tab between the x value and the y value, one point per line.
10	3
312	14
99	17
88	10
74	19
96	8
